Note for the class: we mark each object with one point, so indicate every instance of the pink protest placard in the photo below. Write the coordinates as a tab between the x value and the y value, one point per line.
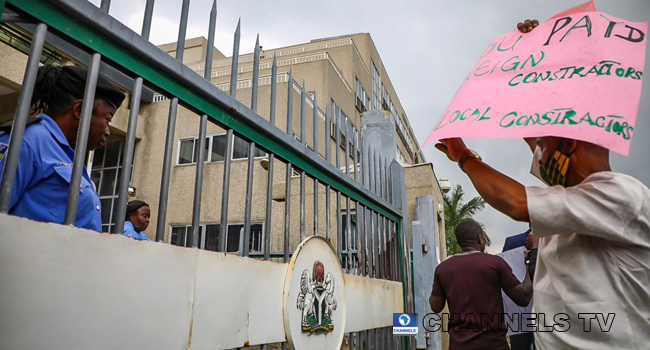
588	6
577	76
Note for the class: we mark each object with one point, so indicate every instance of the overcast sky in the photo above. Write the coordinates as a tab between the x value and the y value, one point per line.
427	47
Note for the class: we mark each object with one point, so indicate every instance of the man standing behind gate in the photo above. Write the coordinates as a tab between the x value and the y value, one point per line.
471	283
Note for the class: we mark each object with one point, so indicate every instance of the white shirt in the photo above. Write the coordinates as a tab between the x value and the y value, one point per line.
594	257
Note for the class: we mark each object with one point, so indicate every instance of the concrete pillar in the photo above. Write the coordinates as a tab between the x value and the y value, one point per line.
425	260
378	130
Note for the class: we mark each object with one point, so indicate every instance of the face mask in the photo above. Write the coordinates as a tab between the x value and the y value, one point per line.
534	167
554	170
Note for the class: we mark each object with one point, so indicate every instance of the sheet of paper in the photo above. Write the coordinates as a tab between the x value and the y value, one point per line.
577	76
515	258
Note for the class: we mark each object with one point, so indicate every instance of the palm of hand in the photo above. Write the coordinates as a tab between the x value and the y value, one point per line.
453	148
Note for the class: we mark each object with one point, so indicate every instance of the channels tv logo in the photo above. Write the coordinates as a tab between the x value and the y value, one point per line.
405	324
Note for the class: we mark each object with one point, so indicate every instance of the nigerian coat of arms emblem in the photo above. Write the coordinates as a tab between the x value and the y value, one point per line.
316	300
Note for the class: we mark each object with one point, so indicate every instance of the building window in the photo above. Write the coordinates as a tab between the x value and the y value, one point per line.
218	148
405	134
367	97
105	175
215	149
189	151
240	148
338	114
186	151
352	233
376	86
361	96
400	157
385	98
180	235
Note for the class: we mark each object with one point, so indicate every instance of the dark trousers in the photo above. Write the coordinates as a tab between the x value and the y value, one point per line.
522	341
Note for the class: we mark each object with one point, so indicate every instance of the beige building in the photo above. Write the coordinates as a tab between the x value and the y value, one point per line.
346	76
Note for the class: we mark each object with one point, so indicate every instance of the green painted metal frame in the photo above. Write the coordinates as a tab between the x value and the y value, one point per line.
72	28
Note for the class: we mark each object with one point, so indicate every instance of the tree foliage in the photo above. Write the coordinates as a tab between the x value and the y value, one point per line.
455	212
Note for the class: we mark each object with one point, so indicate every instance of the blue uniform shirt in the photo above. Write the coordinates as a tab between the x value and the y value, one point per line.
129	231
43	177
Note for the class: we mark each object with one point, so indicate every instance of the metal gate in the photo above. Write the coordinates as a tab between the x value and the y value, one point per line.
370	185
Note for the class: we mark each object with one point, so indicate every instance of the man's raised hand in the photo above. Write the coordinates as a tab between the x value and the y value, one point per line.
453	148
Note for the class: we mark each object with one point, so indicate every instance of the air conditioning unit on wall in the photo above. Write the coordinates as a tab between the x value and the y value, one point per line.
333	133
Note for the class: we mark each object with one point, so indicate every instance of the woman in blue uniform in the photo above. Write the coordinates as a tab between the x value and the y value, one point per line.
44	169
137	220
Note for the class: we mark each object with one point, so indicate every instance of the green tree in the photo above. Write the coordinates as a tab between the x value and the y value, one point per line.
455	212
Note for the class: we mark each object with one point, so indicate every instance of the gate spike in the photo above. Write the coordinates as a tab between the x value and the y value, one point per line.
207	73
269	182
203	121
169	138
303	107
105	5
235	60
327	186
290	103
256	73
274	86
146	21
289	169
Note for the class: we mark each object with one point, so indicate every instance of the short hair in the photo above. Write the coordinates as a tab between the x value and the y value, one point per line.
133	206
467	231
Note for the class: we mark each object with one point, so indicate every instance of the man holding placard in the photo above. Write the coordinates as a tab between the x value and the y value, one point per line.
592	284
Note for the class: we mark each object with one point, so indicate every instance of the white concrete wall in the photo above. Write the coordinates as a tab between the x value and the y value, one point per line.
371	303
69	288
